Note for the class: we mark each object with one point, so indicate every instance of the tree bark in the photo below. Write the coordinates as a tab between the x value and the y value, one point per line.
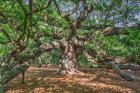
9	75
68	60
109	64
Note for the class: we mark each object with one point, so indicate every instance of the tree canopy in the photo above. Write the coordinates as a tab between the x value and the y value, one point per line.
68	32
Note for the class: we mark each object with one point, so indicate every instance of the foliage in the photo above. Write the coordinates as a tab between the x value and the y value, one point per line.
25	25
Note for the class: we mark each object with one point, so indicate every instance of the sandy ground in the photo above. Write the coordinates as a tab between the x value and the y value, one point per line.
44	80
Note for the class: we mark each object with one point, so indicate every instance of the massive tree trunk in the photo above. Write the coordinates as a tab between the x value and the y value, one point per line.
68	60
68	57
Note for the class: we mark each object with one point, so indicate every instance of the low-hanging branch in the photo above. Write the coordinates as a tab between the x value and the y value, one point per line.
29	55
110	64
14	72
67	45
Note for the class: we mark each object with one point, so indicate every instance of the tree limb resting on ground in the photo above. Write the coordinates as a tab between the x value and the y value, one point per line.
115	67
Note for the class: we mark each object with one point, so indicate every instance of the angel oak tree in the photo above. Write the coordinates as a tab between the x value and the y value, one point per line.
71	46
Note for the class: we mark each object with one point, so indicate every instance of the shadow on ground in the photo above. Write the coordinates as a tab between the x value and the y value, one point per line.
43	80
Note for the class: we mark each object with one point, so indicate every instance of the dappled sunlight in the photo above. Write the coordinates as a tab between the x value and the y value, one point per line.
42	80
38	90
69	46
98	86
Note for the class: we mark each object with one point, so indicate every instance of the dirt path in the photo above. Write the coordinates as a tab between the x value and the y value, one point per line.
43	80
